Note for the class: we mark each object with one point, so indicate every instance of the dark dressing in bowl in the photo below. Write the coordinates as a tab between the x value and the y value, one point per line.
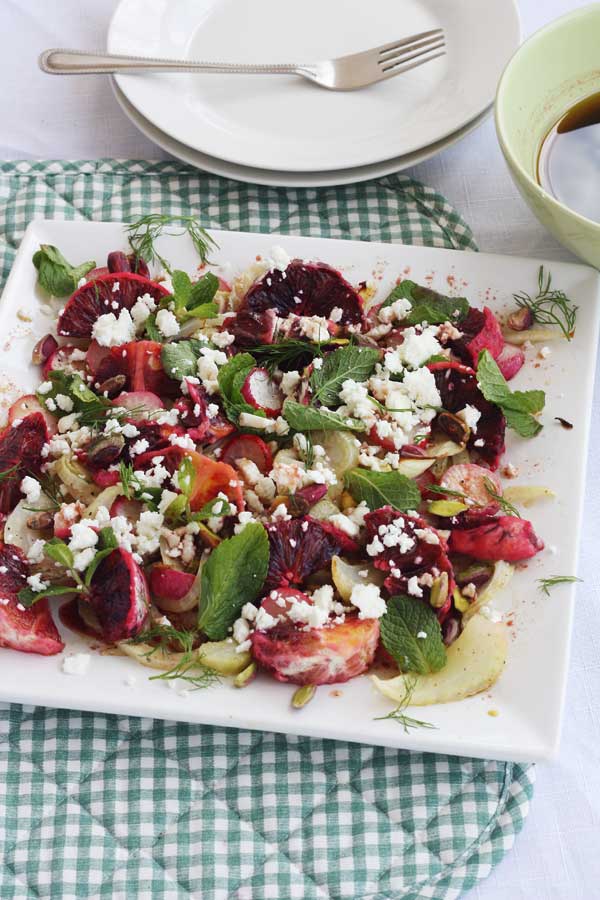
568	165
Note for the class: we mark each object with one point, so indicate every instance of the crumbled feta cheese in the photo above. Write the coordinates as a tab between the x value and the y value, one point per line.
289	382
31	488
368	600
357	403
182	440
222	339
417	347
45	387
336	314
345	524
277	259
397	310
413	587
470	416
421	388
63	402
36	583
167	323
109	331
76	663
544	352
35	553
148	529
244	518
315	328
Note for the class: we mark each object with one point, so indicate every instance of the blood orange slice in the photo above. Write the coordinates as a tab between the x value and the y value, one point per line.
109	293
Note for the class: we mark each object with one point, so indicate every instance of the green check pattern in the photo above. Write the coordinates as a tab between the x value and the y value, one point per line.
97	806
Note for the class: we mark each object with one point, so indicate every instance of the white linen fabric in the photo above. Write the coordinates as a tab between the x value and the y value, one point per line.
556	856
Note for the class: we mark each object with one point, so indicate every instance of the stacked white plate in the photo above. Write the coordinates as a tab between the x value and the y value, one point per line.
283	130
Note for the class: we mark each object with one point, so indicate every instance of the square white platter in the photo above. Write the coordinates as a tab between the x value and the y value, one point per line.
529	696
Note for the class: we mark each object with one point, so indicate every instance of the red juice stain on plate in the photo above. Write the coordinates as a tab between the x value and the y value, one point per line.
70	617
568	164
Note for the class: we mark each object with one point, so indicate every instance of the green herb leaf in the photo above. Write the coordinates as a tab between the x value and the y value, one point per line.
151	330
398	714
28	597
231	377
289	354
307	418
379	489
502	502
217	507
204	311
517	406
181	358
144	233
428	305
356	363
186	477
406	618
57	550
232	576
203	291
107	538
7	472
55	275
182	288
547	583
550	307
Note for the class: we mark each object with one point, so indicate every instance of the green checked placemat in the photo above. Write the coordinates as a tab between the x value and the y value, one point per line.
96	806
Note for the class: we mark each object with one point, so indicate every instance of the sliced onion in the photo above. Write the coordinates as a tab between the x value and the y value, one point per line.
412	468
324	509
16	530
105	498
76	479
503	572
443	448
220	656
539	335
526	494
346	576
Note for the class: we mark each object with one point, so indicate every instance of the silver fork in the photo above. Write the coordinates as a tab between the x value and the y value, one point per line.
346	73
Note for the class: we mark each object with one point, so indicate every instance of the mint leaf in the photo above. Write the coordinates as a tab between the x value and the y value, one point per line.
28	597
517	406
352	362
232	576
186	477
55	275
307	418
379	489
231	378
405	619
57	550
204	311
203	291
151	331
428	305
228	372
181	358
182	288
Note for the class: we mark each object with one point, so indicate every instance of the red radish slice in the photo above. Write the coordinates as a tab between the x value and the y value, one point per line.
44	348
510	361
261	392
62	524
319	655
28	404
506	537
105	478
248	446
139	400
61	360
119	596
171	588
108	293
488	337
130	509
470	479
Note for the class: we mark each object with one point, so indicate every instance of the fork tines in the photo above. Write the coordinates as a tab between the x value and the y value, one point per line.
398	53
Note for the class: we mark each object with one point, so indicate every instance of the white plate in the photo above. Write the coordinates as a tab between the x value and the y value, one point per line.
286	123
529	695
287	179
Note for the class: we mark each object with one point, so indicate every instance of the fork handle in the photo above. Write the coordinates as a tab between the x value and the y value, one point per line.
76	62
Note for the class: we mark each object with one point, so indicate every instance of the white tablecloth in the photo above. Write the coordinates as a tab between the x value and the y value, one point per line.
557	857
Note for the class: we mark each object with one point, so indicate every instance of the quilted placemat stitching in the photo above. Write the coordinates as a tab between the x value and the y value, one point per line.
291	817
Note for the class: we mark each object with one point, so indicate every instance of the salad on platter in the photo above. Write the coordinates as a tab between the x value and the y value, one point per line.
286	474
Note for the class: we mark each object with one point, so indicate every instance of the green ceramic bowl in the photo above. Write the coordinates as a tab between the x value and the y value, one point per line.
550	72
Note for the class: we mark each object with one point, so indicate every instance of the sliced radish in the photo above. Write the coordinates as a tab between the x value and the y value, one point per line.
136	400
28	404
470	479
510	361
261	392
170	586
105	478
248	446
61	360
130	509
